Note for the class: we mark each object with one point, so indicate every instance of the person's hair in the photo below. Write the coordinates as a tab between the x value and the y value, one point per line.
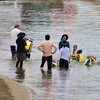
79	51
65	36
47	37
16	26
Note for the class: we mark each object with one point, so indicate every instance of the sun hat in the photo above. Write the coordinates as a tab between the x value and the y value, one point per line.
65	36
21	35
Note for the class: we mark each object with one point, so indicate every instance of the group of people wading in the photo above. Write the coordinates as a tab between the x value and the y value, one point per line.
21	46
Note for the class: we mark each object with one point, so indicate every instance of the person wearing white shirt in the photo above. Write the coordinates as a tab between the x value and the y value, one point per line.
13	37
64	56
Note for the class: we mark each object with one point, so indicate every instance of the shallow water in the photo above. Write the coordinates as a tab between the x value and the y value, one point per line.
80	20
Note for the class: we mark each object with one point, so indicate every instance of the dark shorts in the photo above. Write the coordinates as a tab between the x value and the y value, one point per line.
28	54
21	56
13	49
63	63
49	61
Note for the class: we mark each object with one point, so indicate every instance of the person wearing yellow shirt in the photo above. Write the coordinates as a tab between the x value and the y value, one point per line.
28	47
74	52
88	61
80	56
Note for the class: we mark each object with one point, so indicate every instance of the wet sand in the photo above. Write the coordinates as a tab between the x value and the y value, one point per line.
15	91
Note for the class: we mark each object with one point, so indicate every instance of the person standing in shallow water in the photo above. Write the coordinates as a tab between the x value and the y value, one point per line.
64	56
64	38
21	52
13	36
46	47
74	52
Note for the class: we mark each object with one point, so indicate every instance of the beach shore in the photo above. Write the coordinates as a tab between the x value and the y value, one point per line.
12	90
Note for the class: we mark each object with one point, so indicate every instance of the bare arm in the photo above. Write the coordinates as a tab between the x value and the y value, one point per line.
39	47
31	45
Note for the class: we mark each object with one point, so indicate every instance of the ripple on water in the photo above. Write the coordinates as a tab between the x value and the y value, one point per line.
80	20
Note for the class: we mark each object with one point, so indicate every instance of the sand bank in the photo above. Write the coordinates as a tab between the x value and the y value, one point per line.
18	91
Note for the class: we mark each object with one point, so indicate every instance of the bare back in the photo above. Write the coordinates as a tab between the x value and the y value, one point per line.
47	48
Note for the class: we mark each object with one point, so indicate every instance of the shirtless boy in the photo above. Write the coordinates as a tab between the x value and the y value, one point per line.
48	48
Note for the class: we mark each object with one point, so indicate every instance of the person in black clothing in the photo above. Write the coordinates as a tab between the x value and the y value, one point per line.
21	43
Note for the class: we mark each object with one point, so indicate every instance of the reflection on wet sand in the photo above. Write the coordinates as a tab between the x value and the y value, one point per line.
45	88
63	85
20	74
46	82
